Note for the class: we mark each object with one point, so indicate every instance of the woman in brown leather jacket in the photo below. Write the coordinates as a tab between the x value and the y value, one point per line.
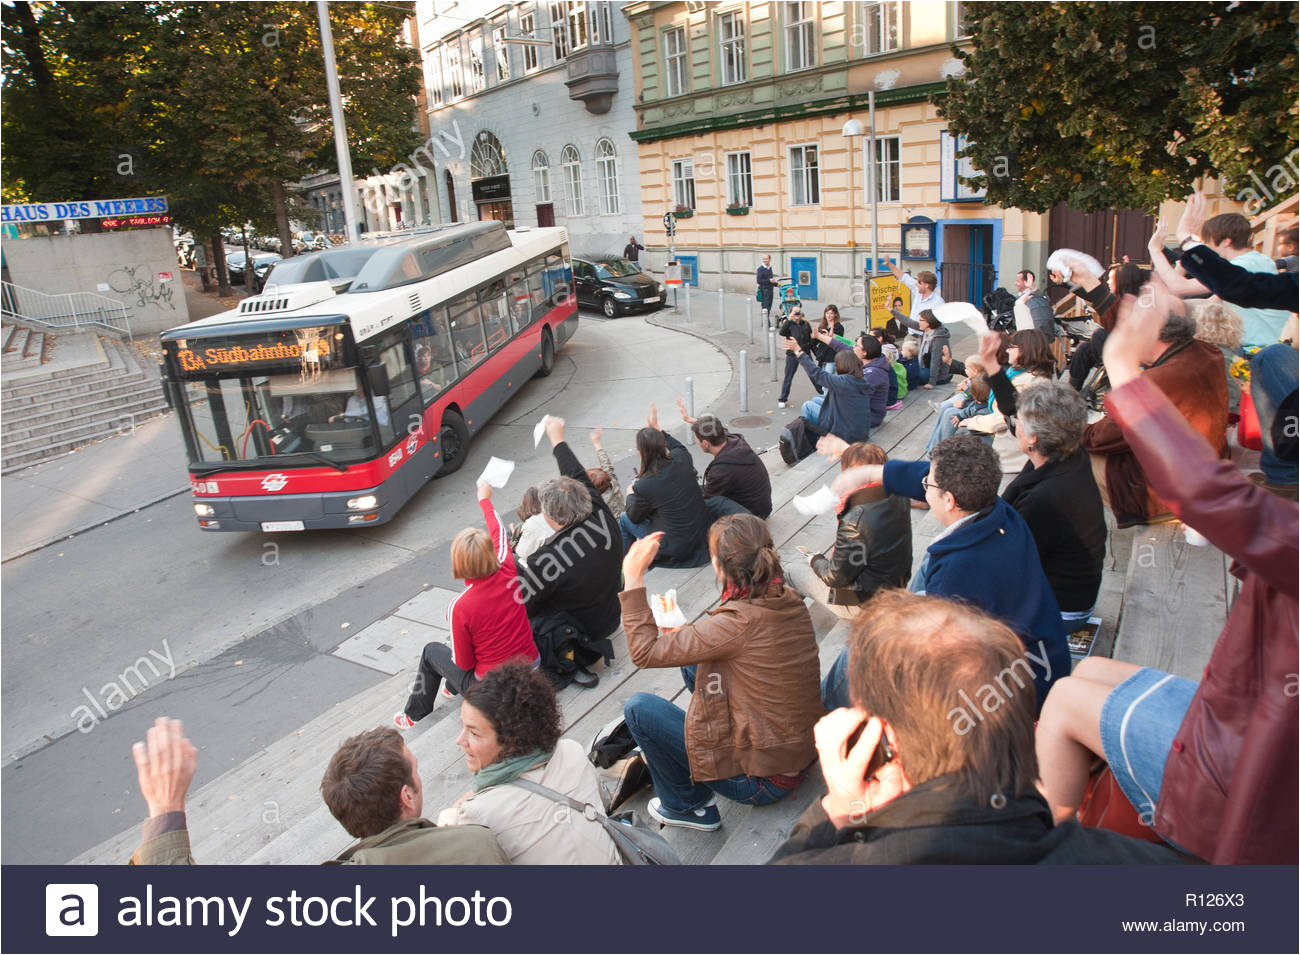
751	666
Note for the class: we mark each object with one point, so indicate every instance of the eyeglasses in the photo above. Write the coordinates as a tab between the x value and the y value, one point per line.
925	483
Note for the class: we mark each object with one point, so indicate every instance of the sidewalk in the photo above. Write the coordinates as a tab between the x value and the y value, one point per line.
726	328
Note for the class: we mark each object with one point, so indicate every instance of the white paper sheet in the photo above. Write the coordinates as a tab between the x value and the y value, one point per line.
539	429
666	612
951	313
497	472
822	501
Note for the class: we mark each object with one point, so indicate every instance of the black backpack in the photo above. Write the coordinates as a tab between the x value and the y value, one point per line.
795	443
564	647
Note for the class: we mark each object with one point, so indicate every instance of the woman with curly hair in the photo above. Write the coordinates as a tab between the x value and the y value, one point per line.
752	669
511	730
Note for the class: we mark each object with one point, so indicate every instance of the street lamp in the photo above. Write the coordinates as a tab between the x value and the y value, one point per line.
852	130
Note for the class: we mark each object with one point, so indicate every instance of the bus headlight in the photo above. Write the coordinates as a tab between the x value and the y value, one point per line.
205	510
363	503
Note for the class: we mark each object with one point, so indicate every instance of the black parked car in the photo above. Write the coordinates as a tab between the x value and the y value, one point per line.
262	263
615	285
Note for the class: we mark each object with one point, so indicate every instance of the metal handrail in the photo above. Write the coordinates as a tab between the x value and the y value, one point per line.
67	310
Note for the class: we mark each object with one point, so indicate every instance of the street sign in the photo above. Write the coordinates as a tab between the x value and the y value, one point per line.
673	274
670	223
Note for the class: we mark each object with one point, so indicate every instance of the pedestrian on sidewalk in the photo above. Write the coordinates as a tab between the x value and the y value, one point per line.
630	250
201	262
767	284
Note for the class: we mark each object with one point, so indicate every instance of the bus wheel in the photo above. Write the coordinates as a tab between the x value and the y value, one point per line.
453	442
548	354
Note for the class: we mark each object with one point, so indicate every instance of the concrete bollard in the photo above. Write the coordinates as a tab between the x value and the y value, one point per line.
749	320
722	313
686	286
771	351
744	381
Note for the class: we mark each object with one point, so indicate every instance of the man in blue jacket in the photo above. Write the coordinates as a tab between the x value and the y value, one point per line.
985	555
877	372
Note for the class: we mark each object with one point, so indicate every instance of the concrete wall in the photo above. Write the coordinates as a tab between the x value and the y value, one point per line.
137	268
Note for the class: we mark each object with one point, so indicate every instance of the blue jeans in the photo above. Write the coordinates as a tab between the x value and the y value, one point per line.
1273	384
812	409
835	687
943	427
632	530
659	728
719	506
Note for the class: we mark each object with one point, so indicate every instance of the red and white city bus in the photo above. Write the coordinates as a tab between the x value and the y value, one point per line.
358	374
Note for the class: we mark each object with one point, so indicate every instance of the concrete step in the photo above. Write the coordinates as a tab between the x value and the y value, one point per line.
10	333
34	345
107	416
72	395
111	364
74	406
15	460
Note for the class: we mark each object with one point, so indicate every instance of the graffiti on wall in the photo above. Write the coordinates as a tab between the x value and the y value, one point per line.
138	281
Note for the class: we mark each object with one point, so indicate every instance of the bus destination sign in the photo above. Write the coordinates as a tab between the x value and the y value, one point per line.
311	347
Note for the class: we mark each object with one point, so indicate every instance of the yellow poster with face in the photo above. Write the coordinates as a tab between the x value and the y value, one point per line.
886	293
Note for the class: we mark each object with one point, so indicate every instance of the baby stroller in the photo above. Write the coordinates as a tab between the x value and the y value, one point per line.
787	300
999	311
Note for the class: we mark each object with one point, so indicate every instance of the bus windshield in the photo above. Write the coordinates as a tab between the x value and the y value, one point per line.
284	420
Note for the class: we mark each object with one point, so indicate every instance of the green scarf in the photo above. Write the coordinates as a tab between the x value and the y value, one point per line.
504	770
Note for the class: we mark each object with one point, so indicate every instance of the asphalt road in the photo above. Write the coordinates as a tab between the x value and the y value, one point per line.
248	621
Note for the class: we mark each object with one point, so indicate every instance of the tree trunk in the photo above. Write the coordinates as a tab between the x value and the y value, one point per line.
282	218
219	263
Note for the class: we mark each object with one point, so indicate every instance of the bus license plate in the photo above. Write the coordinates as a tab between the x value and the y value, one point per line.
283	526
653	299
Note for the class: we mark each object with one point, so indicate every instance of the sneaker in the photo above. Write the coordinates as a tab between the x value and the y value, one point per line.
934	404
447	692
705	819
894	407
403	722
780	404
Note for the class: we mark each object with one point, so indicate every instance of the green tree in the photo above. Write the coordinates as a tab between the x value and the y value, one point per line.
1122	105
218	105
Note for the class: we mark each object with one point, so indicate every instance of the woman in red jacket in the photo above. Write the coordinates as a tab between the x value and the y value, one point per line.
489	625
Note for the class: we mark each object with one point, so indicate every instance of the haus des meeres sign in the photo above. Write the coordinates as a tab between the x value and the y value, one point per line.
89	209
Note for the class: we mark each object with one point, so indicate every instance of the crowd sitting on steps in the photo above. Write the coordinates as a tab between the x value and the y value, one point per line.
1210	766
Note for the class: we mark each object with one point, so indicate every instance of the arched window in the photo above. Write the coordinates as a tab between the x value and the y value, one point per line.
542	176
487	158
607	173
572	180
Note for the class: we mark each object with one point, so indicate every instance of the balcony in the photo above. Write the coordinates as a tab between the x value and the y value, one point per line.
593	77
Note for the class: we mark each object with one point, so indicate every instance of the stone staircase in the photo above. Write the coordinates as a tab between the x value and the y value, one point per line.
104	387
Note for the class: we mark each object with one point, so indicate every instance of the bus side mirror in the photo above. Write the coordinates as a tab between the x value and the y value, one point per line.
377	375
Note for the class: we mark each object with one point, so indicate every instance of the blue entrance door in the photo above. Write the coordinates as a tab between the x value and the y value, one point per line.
803	273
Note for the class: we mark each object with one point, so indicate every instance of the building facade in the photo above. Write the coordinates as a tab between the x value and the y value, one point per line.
741	110
529	108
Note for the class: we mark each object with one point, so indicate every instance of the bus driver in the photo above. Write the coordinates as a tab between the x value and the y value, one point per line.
358	410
